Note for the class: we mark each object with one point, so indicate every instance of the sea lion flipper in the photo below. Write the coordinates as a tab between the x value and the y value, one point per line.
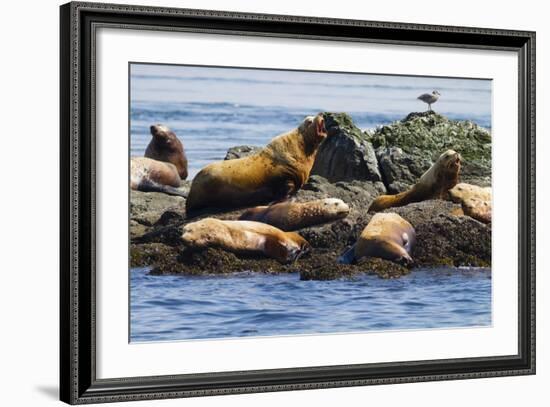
166	189
348	257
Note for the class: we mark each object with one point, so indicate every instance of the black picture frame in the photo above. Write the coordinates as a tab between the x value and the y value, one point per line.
78	382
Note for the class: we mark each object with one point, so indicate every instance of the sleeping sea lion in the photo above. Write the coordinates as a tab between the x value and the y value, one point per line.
148	175
387	236
476	201
298	215
245	237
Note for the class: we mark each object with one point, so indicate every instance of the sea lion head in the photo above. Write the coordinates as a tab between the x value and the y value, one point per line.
313	127
199	234
296	246
163	135
166	146
450	160
334	207
443	175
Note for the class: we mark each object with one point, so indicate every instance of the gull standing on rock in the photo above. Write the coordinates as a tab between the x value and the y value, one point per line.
429	98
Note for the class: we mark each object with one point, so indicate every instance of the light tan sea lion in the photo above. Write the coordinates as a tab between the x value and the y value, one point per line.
434	183
165	146
150	175
245	237
274	173
387	236
298	215
476	201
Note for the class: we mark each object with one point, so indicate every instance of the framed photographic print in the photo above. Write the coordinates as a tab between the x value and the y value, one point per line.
255	203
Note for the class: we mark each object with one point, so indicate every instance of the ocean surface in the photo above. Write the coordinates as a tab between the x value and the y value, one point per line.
213	109
169	308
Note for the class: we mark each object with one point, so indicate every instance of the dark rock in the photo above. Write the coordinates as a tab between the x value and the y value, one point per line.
240	152
400	170
445	239
146	208
346	154
137	229
216	261
422	137
169	235
332	271
144	255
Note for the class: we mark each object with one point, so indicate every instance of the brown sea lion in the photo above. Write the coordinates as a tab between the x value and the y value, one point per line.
165	146
274	173
387	236
476	201
245	237
150	175
298	215
433	184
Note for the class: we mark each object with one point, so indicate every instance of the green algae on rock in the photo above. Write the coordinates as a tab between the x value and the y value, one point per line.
422	137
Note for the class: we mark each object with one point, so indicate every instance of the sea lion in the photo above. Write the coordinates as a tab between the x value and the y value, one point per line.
433	184
165	146
245	237
150	175
476	201
297	215
272	174
387	236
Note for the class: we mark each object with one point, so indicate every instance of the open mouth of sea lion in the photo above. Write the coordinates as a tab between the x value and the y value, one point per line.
321	130
455	161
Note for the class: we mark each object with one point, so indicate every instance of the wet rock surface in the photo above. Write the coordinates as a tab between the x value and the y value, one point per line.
444	236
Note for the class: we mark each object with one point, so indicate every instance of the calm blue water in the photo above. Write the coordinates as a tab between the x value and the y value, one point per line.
213	109
167	308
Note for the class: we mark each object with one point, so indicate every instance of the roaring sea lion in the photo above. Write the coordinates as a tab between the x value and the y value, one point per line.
274	173
165	146
476	201
297	215
434	183
387	236
245	237
150	175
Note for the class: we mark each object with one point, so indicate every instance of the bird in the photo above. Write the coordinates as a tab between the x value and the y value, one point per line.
430	98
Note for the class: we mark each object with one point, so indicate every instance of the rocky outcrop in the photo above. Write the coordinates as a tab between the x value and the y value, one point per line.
442	239
444	236
407	148
147	207
400	170
346	154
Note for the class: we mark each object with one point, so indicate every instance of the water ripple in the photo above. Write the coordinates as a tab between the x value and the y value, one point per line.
249	304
